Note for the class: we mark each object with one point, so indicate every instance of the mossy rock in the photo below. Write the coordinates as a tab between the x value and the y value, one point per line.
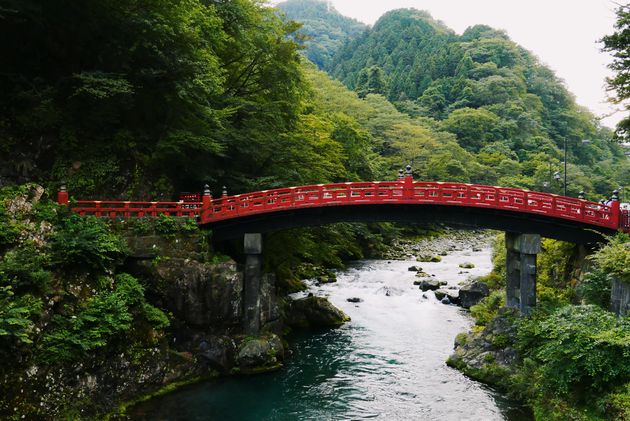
314	312
428	258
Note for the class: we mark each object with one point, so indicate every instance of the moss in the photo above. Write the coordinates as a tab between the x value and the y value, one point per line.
166	389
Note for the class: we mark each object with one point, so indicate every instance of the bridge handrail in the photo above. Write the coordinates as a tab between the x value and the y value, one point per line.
405	191
444	193
128	208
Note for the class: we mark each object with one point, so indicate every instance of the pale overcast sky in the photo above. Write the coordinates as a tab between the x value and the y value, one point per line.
562	33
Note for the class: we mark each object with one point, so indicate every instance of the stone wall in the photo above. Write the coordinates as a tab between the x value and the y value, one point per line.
620	297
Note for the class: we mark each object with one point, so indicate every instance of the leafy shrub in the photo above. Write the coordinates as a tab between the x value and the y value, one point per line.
15	317
488	308
580	350
614	257
24	268
86	242
595	288
105	318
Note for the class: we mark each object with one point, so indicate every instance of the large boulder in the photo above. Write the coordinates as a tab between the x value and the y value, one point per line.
217	351
451	294
260	354
428	284
314	312
471	294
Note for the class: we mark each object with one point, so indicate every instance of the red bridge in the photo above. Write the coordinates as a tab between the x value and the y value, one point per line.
405	200
524	215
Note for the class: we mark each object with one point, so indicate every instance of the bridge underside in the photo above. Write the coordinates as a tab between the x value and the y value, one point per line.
453	216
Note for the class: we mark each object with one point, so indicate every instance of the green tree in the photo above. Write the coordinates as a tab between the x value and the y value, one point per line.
618	43
473	127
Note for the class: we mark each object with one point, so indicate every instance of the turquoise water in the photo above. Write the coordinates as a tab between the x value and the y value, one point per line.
386	364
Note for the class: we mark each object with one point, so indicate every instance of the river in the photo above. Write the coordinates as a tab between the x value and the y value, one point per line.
386	364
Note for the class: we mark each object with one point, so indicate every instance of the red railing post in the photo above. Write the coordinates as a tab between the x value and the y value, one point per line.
206	203
615	210
62	195
408	186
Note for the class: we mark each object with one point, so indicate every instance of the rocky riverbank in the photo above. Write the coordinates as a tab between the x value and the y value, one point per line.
110	312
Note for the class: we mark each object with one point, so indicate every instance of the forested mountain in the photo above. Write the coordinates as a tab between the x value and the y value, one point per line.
502	105
325	28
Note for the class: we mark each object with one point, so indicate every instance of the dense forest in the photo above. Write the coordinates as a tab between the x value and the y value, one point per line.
143	99
511	113
324	29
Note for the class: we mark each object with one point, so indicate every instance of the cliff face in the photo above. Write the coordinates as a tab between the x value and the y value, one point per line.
177	274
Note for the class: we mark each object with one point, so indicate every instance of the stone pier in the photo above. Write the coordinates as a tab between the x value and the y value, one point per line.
521	270
251	283
620	297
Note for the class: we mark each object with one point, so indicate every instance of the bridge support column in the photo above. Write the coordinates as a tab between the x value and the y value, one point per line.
251	283
521	270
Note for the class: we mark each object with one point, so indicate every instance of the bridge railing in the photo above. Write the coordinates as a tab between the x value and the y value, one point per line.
405	191
461	194
113	208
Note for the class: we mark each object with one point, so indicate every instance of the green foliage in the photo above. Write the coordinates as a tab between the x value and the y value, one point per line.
595	288
15	318
618	404
579	350
474	128
487	309
618	43
323	27
614	258
106	319
169	225
24	268
485	89
85	243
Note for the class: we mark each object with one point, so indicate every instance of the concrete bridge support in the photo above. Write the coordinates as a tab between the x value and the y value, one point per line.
521	270
251	283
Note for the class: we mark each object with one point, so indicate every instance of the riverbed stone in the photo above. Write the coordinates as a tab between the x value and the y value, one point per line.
467	265
314	312
429	284
260	354
414	269
428	258
471	294
453	295
354	300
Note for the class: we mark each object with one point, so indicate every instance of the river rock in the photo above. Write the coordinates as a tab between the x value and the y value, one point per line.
470	295
326	279
354	300
489	355
445	300
314	312
260	354
453	295
428	258
414	269
429	284
467	265
218	352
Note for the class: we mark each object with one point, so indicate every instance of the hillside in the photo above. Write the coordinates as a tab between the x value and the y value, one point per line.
325	28
512	113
